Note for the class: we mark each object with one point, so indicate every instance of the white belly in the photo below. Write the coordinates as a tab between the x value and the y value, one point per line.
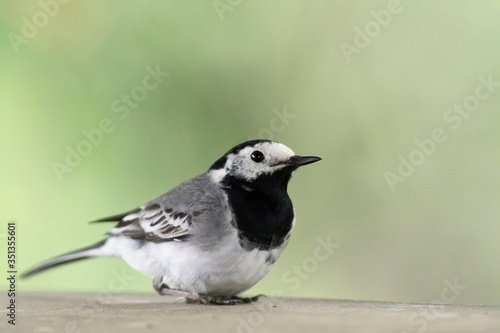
226	270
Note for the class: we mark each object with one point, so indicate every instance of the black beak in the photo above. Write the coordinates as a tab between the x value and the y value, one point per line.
297	161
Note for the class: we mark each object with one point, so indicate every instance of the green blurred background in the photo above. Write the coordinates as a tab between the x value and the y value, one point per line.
232	67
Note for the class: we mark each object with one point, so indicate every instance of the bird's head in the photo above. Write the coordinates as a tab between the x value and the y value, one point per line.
258	161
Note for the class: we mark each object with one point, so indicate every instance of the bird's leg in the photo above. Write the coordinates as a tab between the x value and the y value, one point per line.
191	298
162	289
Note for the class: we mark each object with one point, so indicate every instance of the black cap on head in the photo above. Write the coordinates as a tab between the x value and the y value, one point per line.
222	161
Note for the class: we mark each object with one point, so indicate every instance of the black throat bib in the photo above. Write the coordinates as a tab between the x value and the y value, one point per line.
262	209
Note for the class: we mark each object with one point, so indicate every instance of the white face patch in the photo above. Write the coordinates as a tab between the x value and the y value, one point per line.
242	166
217	175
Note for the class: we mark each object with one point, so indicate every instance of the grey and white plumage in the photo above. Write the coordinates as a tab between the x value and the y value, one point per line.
213	236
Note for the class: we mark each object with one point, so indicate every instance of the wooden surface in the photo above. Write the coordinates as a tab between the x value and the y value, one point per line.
78	312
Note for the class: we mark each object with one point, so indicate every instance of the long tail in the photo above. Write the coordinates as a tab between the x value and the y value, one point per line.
87	252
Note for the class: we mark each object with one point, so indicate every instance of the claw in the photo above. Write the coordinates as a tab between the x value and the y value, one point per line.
218	300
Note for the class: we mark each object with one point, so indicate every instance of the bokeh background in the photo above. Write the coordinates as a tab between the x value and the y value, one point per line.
232	68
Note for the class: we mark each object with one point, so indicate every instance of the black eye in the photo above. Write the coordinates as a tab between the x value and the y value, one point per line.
257	156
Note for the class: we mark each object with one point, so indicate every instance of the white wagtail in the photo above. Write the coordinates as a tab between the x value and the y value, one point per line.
213	236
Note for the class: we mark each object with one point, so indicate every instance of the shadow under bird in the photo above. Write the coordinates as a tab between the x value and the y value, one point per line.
214	236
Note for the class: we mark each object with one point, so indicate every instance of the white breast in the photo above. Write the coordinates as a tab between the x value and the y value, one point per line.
225	270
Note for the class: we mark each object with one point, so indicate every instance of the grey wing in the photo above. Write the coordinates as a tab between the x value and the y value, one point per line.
170	217
155	223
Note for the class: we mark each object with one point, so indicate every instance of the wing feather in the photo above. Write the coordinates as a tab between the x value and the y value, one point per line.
174	215
153	223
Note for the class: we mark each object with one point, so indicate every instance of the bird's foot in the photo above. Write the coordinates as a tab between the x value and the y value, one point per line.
219	300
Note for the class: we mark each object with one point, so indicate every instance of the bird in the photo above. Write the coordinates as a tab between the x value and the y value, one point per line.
212	237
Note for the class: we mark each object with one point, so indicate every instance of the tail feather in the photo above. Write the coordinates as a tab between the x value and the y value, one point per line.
87	252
